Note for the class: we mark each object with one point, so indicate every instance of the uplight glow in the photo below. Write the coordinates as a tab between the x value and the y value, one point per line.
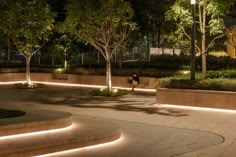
196	108
67	152
39	132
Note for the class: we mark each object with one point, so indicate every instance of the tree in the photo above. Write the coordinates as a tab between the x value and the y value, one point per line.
209	20
149	14
105	24
29	25
63	46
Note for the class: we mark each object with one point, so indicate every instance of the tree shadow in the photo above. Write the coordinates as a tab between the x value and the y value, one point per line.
80	98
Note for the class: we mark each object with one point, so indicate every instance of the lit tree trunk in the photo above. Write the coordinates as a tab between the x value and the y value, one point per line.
28	59
203	34
108	74
65	64
231	41
65	61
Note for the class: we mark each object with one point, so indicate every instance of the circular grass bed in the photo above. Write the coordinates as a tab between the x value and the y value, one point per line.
5	113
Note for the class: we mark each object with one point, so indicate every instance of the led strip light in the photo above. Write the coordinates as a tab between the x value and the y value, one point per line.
77	85
196	108
67	152
38	132
91	86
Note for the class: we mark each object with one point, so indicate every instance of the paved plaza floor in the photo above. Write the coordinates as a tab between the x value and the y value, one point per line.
147	130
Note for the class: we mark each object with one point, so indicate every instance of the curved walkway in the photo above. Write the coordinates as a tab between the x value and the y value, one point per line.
147	131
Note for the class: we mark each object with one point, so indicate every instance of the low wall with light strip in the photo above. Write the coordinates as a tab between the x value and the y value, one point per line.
197	98
119	81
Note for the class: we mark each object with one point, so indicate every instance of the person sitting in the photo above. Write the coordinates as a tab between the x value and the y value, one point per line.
134	80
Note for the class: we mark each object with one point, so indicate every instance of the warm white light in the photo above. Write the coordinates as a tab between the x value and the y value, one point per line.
78	85
186	72
69	84
197	108
67	152
193	1
59	70
92	86
11	82
137	89
38	133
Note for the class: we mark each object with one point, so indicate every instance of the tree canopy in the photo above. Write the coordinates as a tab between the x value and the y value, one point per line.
28	24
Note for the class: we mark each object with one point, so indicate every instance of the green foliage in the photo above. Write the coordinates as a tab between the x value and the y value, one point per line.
63	46
203	84
105	92
5	113
28	23
180	15
105	24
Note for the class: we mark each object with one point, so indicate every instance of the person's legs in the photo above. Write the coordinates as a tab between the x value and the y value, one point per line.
133	86
134	83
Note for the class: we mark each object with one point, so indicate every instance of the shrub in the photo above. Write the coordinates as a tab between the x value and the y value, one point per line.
105	92
203	84
221	74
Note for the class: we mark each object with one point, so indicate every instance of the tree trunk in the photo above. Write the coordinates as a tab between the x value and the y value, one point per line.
53	61
148	46
98	58
28	59
159	36
8	50
121	49
65	64
204	41
204	69
65	60
108	75
39	59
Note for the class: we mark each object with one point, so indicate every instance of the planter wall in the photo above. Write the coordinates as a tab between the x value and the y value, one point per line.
145	82
197	98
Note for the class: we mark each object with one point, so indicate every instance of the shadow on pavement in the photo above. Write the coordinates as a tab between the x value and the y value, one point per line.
82	98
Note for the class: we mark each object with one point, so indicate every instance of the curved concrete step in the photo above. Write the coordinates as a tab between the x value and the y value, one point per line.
83	132
34	120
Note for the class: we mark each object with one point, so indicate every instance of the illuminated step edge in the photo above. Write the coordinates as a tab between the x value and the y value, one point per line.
34	120
83	133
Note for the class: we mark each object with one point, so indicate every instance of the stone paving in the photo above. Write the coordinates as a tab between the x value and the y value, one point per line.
148	130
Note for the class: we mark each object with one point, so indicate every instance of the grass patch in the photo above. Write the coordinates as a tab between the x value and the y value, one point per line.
5	113
106	92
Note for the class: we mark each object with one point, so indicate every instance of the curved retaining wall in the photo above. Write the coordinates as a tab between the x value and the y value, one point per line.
145	82
198	98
